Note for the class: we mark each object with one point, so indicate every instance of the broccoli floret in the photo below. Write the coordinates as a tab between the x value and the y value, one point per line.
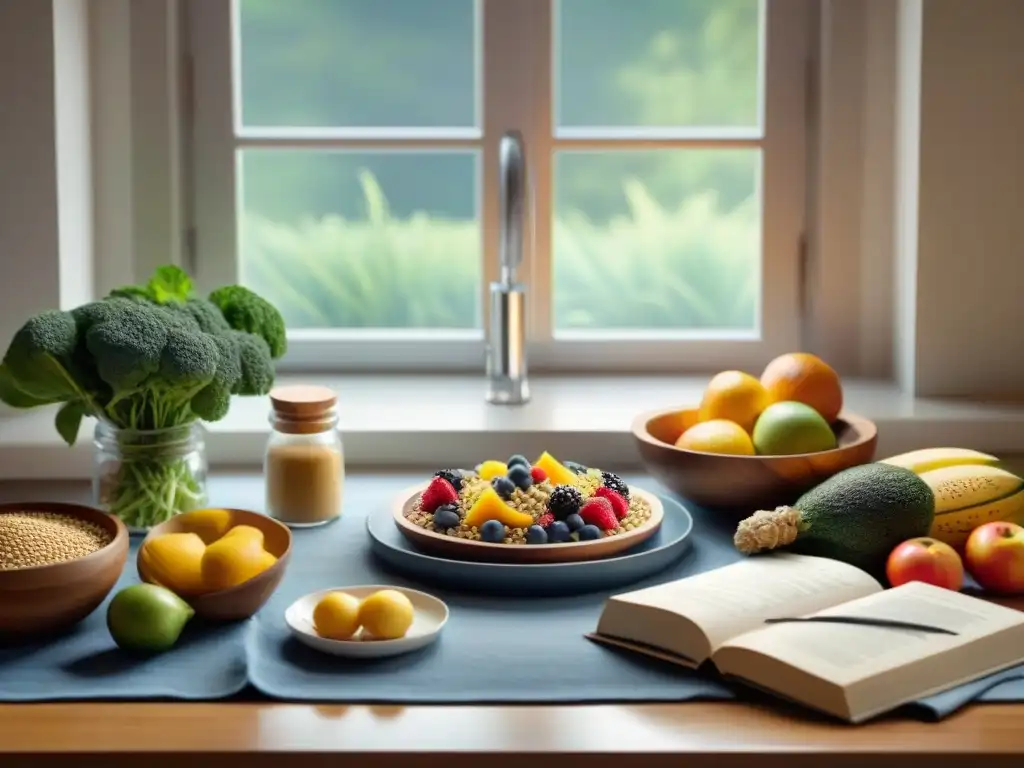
257	365
40	357
206	315
245	310
127	346
213	401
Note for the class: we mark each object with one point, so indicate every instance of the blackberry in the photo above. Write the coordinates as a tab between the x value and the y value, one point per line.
565	500
575	467
608	480
453	476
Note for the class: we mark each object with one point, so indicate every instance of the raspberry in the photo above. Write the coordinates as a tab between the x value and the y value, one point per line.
538	475
615	483
439	492
619	505
565	500
598	511
545	520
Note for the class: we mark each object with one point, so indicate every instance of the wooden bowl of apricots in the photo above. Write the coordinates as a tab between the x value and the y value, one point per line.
225	563
756	443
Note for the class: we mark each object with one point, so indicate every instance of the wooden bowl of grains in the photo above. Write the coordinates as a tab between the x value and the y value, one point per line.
58	562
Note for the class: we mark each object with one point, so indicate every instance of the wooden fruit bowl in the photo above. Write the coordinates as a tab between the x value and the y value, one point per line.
449	547
246	599
744	484
49	599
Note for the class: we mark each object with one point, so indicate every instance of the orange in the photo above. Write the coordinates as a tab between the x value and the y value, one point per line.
735	396
717	436
807	379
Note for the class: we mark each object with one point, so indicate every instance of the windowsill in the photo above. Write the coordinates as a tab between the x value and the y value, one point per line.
412	420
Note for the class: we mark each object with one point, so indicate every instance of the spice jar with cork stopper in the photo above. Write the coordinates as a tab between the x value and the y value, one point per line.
304	466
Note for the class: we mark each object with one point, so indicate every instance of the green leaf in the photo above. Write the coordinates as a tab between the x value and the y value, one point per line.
170	284
69	419
13	396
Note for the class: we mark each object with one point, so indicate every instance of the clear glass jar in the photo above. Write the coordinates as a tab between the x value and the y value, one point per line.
304	466
146	477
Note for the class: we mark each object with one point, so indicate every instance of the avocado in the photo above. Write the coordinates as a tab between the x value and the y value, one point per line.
858	516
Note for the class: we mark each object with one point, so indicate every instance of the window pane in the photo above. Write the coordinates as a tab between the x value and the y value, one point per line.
657	63
663	240
363	239
353	63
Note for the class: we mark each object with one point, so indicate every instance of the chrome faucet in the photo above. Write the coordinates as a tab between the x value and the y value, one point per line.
506	333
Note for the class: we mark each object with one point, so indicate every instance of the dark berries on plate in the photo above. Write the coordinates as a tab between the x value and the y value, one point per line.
574	466
608	480
536	535
520	475
559	533
545	520
599	512
503	486
493	532
453	476
619	504
565	500
538	475
518	459
589	533
446	516
575	522
439	492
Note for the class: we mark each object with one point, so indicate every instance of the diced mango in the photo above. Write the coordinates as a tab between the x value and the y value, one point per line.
557	473
491	469
490	506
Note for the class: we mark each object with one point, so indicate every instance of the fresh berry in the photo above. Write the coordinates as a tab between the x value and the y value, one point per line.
575	522
520	475
599	512
518	459
559	533
589	533
538	475
503	487
453	476
492	532
619	504
439	492
565	500
576	467
536	535
446	516
545	520
608	480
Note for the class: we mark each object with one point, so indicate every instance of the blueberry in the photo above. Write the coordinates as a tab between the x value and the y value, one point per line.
518	459
503	486
520	475
536	535
575	466
575	522
493	531
446	516
559	533
589	533
453	476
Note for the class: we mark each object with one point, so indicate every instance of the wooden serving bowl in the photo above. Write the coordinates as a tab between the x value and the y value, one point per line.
744	484
441	545
49	599
242	601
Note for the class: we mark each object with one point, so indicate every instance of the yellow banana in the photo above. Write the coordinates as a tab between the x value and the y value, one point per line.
927	459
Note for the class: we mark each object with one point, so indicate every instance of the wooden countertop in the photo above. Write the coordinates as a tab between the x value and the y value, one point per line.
690	735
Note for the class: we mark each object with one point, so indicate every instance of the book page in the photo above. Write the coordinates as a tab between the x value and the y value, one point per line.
736	598
844	654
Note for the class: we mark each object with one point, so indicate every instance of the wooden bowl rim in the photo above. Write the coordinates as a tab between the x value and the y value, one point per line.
219	594
406	496
865	427
73	510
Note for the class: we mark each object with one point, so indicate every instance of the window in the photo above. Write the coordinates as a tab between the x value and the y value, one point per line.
345	165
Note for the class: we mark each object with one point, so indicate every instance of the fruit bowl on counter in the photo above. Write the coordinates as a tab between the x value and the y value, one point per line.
225	563
756	443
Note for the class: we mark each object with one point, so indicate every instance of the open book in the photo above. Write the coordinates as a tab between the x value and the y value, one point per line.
850	648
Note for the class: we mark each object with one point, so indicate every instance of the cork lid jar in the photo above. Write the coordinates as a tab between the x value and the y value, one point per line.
303	409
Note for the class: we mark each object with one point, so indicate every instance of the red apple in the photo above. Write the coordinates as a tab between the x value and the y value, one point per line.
994	554
924	559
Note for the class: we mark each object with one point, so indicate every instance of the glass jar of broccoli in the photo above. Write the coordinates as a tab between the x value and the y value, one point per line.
145	477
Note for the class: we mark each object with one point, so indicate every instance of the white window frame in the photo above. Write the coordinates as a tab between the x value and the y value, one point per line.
516	41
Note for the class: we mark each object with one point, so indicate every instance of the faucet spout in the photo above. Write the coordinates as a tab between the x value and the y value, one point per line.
506	334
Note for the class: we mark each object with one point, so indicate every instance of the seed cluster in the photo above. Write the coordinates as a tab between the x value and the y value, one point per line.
532	501
30	539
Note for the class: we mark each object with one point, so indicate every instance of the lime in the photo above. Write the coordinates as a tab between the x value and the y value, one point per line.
789	427
146	617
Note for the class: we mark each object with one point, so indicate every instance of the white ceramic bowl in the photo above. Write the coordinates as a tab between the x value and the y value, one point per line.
430	616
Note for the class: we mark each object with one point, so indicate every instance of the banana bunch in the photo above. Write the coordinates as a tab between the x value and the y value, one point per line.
969	490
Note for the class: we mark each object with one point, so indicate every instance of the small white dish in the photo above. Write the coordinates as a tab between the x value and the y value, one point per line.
429	617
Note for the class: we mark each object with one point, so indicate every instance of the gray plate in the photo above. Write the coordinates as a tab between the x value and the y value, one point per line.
550	579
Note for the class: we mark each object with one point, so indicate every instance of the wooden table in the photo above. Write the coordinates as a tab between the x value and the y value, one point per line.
677	735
